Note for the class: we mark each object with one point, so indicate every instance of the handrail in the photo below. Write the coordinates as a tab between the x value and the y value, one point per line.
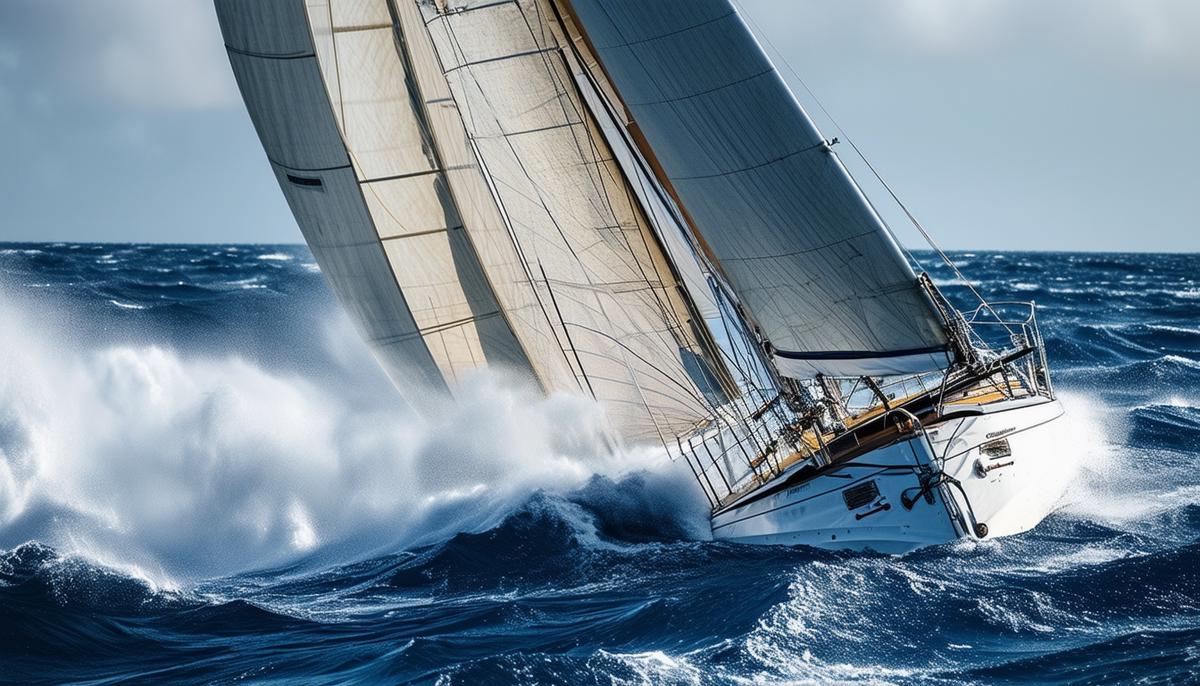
917	423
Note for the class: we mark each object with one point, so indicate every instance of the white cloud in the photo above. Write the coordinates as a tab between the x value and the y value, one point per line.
1150	35
138	53
950	24
155	53
1154	33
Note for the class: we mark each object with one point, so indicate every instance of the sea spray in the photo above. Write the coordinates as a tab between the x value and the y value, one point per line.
198	465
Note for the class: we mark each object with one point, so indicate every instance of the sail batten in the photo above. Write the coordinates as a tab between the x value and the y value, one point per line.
772	205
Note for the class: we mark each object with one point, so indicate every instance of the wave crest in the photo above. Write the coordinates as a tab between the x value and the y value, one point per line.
190	466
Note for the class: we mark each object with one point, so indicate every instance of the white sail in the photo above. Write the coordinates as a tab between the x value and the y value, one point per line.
372	95
271	51
470	216
578	223
502	262
799	243
659	208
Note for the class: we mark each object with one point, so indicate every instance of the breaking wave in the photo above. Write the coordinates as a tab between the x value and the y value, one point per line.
189	466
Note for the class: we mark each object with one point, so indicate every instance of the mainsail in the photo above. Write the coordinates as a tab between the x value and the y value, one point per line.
803	249
465	204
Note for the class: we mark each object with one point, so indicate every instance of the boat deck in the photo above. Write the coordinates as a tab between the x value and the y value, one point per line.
859	437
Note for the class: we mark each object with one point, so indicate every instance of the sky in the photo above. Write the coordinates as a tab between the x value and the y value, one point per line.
1002	124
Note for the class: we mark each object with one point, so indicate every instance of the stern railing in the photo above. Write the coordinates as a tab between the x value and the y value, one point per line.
1008	327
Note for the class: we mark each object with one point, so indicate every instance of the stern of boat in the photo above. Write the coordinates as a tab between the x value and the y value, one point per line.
1008	461
1008	465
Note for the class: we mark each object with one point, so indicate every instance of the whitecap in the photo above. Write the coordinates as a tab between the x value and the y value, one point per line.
201	466
126	306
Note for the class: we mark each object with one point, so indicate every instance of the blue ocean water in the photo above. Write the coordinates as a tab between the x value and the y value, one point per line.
205	478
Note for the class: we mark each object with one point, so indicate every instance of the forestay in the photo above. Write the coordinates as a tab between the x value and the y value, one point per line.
802	248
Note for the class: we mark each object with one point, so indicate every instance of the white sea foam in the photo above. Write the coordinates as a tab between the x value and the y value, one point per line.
251	283
1174	329
126	306
189	467
1121	484
828	604
276	257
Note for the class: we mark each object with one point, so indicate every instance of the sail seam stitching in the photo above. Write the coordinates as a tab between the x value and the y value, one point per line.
723	86
502	58
752	167
397	177
669	34
416	234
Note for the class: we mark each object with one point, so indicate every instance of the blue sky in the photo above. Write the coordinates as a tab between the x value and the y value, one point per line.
1013	124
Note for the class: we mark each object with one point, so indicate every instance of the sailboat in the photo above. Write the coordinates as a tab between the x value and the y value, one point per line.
624	200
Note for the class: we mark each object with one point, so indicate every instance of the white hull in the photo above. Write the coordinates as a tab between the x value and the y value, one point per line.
860	504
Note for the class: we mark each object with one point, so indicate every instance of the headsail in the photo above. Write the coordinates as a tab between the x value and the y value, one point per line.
465	204
611	288
271	51
802	248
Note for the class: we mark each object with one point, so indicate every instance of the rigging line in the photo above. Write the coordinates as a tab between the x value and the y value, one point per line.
745	418
665	375
512	236
433	155
783	58
752	206
674	106
562	91
750	382
749	374
707	346
636	155
566	331
924	233
337	68
597	158
668	203
669	314
486	176
520	163
435	370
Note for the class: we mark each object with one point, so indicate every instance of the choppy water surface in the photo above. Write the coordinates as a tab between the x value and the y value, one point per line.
204	478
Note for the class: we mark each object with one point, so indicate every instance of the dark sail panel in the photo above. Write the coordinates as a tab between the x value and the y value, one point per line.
805	252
